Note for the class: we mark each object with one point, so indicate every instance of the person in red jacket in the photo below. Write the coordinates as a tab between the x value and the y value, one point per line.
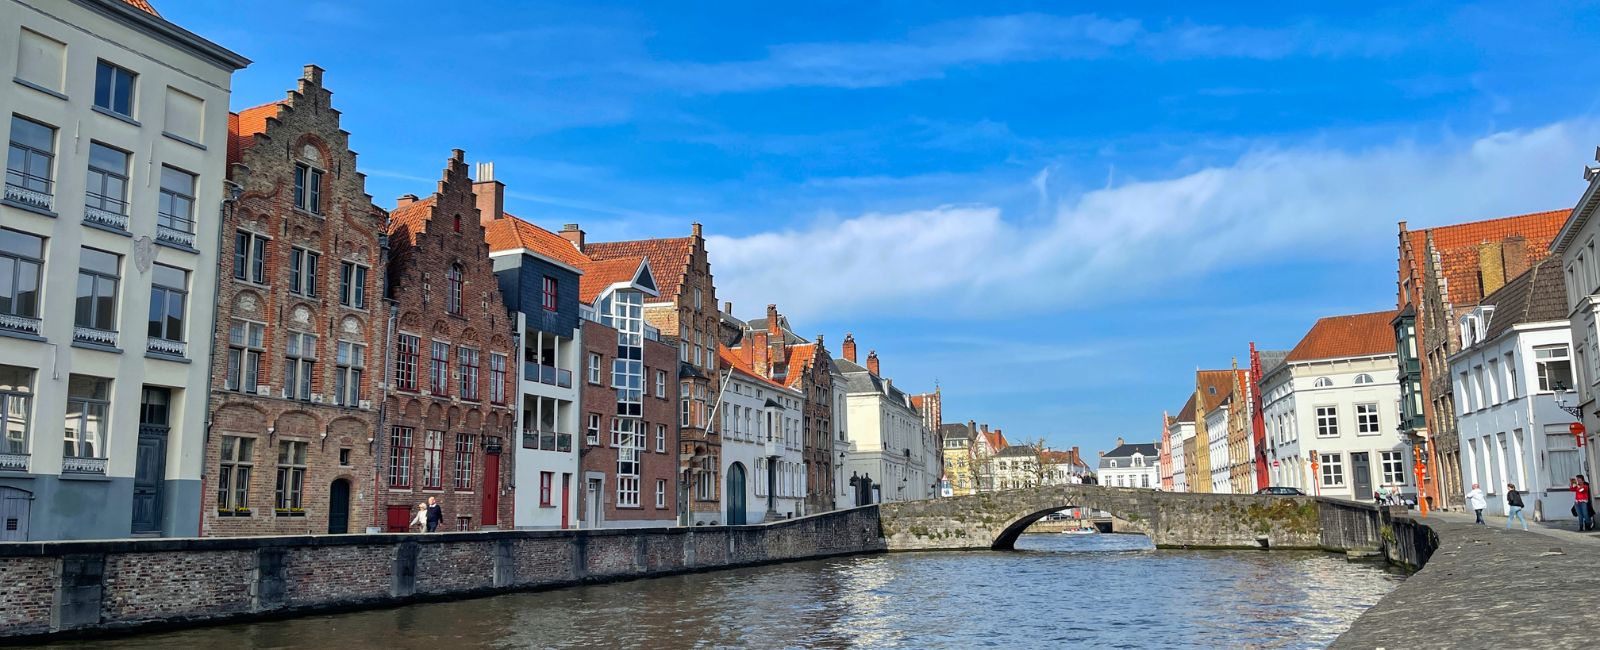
1580	496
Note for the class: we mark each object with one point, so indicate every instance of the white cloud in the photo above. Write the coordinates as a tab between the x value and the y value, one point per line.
1142	237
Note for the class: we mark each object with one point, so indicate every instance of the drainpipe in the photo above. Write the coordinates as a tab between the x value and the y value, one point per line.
376	442
229	206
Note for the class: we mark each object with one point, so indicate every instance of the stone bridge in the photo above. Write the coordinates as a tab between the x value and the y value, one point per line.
1170	519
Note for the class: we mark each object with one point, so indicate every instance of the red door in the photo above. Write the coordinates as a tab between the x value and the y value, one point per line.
566	497
491	489
399	519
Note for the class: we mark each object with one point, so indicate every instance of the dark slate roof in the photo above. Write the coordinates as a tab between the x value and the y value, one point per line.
955	432
1539	294
1018	450
789	336
1129	449
1271	360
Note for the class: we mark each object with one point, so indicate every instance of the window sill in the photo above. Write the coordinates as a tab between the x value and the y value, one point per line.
299	210
110	229
29	84
13	334
115	115
85	345
179	138
250	283
167	357
29	208
84	476
178	247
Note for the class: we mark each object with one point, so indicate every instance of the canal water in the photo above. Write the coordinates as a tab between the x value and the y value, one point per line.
1055	591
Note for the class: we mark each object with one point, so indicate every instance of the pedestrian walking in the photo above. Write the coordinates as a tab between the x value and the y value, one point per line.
1581	504
1476	502
1514	499
435	514
421	520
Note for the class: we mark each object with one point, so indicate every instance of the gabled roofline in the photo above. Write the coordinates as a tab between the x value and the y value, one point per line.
523	250
164	29
1580	215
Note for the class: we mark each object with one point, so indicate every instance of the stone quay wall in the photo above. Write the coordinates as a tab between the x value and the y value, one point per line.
64	588
1392	531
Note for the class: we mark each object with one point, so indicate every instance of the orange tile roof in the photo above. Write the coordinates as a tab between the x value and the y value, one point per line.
413	217
512	233
142	5
1215	387
669	259
599	274
1457	247
802	355
244	125
1186	414
1354	335
737	362
997	441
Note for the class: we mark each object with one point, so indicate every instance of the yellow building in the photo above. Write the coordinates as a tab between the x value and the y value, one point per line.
958	458
1211	389
1241	463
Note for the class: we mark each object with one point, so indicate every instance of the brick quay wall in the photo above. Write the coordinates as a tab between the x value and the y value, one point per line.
50	589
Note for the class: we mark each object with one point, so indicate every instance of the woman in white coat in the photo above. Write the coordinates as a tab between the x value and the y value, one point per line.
1476	501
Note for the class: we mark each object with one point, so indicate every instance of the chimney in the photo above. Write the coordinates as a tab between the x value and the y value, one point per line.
405	200
849	347
972	426
572	233
1119	441
872	362
762	360
312	73
1075	455
772	320
1100	453
695	229
1491	269
985	427
490	194
1514	256
727	308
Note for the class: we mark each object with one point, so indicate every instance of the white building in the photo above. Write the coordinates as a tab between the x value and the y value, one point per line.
1134	465
1180	430
1332	411
763	464
117	123
1576	246
844	494
1512	373
1217	446
888	438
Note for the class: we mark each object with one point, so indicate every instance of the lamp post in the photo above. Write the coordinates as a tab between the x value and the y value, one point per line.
1579	433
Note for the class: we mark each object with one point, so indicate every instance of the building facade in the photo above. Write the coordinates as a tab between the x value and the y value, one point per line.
300	327
779	354
1513	374
1180	433
1575	245
449	417
888	440
117	124
1135	465
762	445
958	456
1216	425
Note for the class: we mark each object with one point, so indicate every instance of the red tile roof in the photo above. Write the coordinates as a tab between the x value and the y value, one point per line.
512	233
1457	246
1186	414
413	217
142	5
737	362
802	355
1355	335
599	274
669	259
244	125
1215	387
997	441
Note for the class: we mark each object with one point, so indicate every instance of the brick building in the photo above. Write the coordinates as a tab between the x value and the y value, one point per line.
300	323
686	314
448	417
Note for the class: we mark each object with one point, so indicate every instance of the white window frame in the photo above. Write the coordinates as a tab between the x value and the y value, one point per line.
1327	417
1367	414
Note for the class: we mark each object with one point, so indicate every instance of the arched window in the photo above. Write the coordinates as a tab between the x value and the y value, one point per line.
1363	378
1322	382
452	296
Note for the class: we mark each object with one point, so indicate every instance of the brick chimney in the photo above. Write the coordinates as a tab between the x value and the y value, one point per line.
849	347
1514	256
405	200
1491	271
490	194
572	233
972	426
761	360
772	320
727	308
1119	441
872	362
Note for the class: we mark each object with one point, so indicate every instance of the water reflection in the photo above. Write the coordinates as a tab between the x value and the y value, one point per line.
1056	590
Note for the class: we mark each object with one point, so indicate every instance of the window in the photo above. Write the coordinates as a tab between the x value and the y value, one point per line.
300	355
463	462
592	433
1363	378
308	188
249	257
1322	382
1555	369
497	378
400	457
468	357
452	295
405	362
352	363
1327	421
344	457
98	275
1332	470
21	259
439	371
661	493
1367	419
16	398
169	291
113	88
88	405
661	384
291	478
661	438
549	293
353	285
176	209
1394	467
698	297
432	459
545	481
233	479
458	223
245	346
1144	480
1511	376
303	272
1564	458
29	162
107	191
594	368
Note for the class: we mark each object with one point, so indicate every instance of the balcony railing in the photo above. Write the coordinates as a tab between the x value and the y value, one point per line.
17	323
15	462
92	335
546	440
105	218
83	465
163	346
34	198
175	236
543	374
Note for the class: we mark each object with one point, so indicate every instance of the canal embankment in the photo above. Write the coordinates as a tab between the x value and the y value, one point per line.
52	589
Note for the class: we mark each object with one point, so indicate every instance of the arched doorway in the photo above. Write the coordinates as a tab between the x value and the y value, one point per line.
339	507
735	498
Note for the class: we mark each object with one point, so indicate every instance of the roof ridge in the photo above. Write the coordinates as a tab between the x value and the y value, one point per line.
1465	224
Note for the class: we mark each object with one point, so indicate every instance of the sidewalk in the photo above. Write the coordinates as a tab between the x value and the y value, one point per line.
1488	587
1566	531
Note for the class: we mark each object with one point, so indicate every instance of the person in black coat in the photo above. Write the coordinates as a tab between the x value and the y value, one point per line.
1514	499
435	514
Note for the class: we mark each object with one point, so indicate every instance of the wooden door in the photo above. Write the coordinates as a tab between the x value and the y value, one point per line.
339	507
491	489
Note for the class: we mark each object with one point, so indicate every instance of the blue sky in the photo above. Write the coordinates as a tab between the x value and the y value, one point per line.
1057	211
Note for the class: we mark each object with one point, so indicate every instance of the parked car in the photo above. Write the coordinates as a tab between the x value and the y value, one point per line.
1281	491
